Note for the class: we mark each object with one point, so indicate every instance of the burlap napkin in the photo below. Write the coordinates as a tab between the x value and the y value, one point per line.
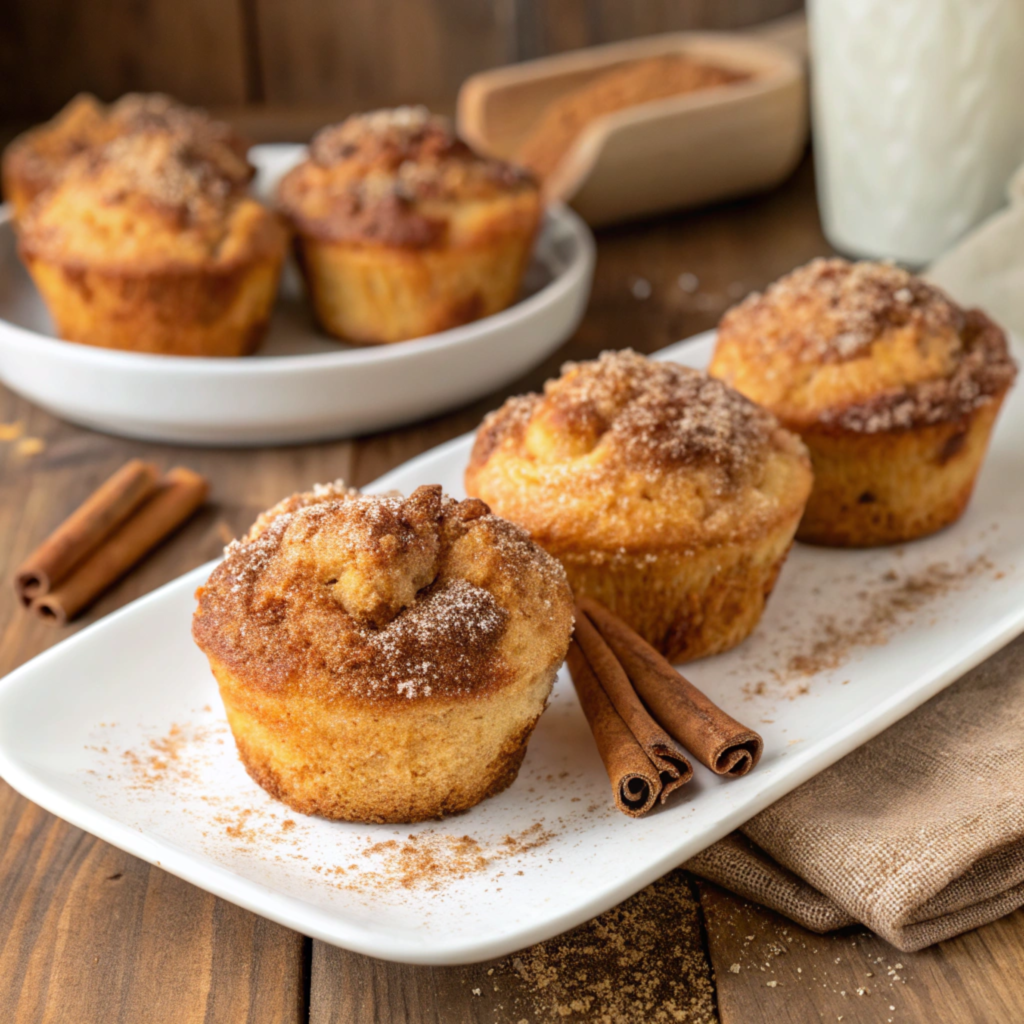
919	834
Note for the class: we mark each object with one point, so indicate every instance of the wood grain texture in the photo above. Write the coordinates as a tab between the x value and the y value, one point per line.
644	961
771	971
551	26
352	55
367	53
89	933
193	49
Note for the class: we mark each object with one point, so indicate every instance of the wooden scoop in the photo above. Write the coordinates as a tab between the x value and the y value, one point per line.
683	151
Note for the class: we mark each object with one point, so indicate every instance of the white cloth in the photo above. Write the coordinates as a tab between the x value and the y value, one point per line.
986	269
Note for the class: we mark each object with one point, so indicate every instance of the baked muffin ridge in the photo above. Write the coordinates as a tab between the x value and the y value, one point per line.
146	200
381	600
392	177
867	346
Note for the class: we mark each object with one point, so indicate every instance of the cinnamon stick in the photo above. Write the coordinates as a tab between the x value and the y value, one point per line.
85	529
635	780
716	739
177	497
674	770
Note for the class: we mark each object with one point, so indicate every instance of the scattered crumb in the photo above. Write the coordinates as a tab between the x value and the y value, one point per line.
29	446
641	288
635	964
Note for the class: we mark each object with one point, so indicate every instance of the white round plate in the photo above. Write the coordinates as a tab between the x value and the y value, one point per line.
301	385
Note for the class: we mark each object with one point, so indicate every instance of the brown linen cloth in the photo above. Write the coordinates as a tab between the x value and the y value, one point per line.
919	834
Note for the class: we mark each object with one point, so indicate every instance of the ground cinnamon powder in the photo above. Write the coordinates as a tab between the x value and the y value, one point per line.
642	962
828	640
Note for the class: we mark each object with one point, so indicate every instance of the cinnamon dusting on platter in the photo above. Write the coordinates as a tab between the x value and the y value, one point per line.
828	641
384	860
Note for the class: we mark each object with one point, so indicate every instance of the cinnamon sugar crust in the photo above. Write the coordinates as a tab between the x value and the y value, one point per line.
625	454
399	178
36	160
383	601
149	201
866	347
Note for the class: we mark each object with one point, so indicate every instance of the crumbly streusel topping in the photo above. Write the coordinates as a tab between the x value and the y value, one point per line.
157	173
856	302
985	370
86	125
365	592
386	176
866	345
647	413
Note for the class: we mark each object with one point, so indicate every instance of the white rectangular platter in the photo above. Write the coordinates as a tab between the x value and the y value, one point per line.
119	730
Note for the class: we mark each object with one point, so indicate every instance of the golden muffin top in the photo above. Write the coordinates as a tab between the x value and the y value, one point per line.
397	177
37	158
149	201
865	346
384	599
623	452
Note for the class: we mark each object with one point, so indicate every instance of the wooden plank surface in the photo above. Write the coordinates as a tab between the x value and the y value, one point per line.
50	50
643	961
90	934
551	26
769	970
367	53
361	53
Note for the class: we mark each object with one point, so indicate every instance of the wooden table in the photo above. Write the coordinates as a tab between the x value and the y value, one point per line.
90	934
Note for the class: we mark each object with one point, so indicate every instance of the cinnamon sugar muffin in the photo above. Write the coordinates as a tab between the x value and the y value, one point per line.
667	496
36	159
893	387
402	230
383	659
150	243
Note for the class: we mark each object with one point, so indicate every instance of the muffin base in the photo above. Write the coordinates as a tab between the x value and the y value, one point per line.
400	763
897	486
375	295
187	313
687	604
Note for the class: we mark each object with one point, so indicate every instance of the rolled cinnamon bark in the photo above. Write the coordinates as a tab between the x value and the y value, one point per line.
635	781
177	497
85	529
716	739
674	770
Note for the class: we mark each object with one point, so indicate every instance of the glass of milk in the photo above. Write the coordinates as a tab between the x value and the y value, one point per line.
918	113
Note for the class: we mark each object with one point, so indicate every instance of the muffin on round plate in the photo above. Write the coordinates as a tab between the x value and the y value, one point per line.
383	659
148	244
402	230
36	159
893	387
667	496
